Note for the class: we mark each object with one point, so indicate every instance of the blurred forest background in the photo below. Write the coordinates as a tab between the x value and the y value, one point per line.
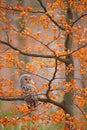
10	73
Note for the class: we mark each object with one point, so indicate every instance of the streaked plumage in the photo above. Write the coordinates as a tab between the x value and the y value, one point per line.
30	95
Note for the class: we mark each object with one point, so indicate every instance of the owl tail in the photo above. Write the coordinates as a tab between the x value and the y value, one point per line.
31	99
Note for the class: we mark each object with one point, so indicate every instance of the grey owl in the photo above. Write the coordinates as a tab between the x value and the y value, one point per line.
30	95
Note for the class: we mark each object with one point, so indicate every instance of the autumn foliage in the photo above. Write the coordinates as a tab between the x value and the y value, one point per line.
48	40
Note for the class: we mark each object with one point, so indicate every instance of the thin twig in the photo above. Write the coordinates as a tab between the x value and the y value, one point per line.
80	110
78	49
39	76
20	10
41	43
36	75
44	8
23	70
4	51
78	19
46	45
51	41
53	77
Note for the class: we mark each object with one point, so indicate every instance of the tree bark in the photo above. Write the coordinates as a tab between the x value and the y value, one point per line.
68	97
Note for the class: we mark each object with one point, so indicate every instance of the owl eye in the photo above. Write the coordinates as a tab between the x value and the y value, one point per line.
26	79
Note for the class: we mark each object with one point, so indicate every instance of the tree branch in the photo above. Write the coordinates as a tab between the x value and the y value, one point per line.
42	43
33	55
78	49
45	100
53	77
49	84
37	40
83	113
11	99
36	75
78	19
51	41
20	10
44	8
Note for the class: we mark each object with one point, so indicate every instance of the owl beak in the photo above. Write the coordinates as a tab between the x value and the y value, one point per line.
31	82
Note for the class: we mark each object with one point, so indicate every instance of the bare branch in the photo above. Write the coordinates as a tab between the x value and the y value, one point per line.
75	78
33	55
11	99
37	75
44	8
53	77
45	100
42	43
51	41
78	49
46	45
59	104
83	113
20	10
78	19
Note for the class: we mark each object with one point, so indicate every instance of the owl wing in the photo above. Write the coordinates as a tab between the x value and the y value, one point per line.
31	100
30	95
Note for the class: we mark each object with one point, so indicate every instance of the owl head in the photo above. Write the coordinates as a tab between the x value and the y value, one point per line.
26	79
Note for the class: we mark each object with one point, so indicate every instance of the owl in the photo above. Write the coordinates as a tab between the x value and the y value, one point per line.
30	95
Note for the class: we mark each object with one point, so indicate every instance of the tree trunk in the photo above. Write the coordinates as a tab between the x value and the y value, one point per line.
68	97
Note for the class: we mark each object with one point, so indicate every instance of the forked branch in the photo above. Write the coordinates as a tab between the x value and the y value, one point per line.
45	100
32	54
44	8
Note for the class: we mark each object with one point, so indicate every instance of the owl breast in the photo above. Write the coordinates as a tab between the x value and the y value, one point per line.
30	94
31	100
26	87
